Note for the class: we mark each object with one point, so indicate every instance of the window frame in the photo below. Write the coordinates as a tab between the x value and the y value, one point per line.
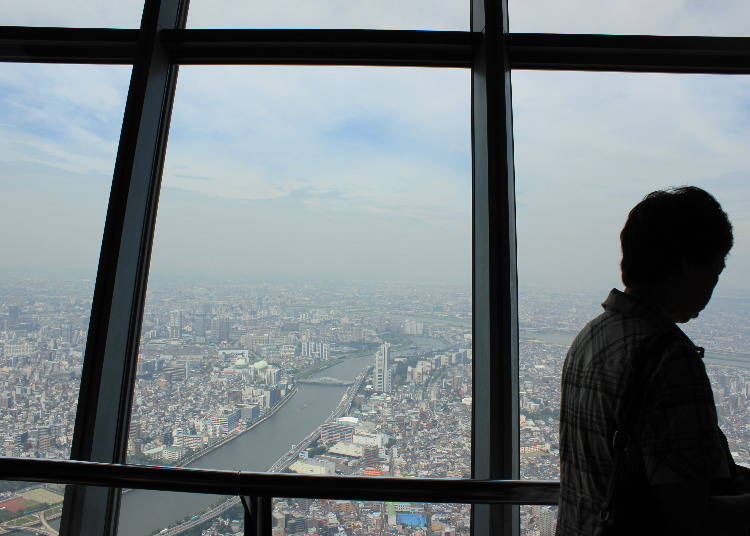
157	49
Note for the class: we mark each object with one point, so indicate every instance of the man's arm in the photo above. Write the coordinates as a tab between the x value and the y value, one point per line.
743	478
688	509
730	510
683	453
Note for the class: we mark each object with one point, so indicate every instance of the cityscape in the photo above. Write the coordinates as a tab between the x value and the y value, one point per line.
310	378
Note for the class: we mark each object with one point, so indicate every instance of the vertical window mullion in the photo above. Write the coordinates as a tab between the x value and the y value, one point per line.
111	351
495	420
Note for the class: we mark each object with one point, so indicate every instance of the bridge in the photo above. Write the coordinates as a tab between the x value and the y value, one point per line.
205	516
326	380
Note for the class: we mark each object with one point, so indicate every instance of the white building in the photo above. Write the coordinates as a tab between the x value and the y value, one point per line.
348	448
370	440
311	466
382	373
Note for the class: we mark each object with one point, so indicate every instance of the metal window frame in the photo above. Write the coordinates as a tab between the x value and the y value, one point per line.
267	485
109	366
495	422
583	52
489	50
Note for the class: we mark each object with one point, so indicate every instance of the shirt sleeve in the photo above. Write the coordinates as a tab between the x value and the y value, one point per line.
680	439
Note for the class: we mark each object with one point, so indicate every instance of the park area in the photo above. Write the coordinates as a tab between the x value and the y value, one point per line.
29	501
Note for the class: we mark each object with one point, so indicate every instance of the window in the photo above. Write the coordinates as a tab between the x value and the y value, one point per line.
310	219
251	185
639	133
58	135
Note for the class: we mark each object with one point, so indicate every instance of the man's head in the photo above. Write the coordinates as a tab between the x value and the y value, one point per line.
673	248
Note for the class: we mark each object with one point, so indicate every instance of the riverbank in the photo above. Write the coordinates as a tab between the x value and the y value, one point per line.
144	511
344	405
283	462
231	437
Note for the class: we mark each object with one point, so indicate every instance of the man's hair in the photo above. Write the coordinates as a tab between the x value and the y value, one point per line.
667	227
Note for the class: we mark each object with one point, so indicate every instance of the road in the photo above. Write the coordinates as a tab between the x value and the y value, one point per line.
205	516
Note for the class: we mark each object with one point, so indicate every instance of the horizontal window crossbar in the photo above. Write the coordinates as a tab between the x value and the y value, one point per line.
329	47
637	53
279	485
633	53
67	45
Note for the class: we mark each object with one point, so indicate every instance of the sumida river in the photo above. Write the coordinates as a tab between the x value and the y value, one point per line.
143	512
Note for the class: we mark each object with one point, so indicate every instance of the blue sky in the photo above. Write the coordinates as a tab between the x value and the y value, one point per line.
364	173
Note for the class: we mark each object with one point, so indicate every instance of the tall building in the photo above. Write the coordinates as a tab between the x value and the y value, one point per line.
381	373
14	315
175	324
316	350
201	324
220	328
413	327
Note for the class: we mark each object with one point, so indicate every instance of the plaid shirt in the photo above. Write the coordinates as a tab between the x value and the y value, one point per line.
677	430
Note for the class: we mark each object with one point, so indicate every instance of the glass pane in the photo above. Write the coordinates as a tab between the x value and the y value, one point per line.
59	126
328	518
588	147
76	13
640	17
331	14
310	292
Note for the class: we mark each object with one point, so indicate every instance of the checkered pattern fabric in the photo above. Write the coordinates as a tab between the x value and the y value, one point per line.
677	430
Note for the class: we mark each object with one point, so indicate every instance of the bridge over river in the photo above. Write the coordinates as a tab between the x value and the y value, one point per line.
326	380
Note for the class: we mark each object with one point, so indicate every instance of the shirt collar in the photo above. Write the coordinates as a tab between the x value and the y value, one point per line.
620	302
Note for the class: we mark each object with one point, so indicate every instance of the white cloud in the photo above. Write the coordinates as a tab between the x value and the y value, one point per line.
59	126
641	17
72	13
366	135
366	14
383	154
588	146
348	172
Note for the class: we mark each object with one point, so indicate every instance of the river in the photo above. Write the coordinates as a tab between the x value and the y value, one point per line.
143	512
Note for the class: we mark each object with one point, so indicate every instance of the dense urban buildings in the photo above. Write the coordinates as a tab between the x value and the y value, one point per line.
217	361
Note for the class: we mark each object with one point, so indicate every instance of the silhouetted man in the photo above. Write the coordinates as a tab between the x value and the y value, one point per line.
640	449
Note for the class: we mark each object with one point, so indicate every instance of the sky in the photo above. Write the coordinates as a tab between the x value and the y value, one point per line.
351	173
589	146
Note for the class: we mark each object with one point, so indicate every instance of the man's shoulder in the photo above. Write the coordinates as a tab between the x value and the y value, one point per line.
610	344
612	326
